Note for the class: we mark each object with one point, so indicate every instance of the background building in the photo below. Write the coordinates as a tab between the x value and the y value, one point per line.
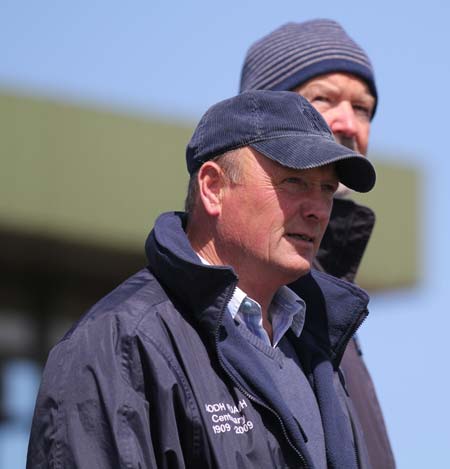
97	103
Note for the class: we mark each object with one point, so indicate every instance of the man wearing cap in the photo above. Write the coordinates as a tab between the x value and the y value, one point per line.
318	60
206	359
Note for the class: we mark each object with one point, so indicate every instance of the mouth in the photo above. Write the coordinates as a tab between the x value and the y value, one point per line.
301	237
348	142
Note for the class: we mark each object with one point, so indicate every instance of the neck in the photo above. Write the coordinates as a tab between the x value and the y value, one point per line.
251	280
263	296
257	290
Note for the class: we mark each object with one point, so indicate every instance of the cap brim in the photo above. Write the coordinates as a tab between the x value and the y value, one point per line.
312	151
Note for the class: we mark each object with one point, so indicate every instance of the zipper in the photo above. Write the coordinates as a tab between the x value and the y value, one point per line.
244	391
349	335
359	324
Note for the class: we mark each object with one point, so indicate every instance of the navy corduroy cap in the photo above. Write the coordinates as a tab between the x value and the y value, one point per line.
296	52
284	127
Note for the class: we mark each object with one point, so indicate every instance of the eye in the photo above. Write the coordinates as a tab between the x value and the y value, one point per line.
319	98
295	184
363	110
330	188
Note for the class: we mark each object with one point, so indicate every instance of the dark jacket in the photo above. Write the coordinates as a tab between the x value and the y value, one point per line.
340	254
158	375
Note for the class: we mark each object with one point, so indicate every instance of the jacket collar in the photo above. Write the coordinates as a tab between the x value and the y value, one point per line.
334	308
179	269
345	239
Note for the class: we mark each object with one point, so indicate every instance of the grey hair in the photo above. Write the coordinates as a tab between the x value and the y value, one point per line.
229	162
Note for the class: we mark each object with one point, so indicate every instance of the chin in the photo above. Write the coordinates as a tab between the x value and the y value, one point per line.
297	269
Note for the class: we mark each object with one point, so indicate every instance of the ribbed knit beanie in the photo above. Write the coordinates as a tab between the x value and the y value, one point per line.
297	52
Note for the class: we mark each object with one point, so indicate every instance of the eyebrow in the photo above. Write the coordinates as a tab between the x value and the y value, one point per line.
329	87
368	98
322	85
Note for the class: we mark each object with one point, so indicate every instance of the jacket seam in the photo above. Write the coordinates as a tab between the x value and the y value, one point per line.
195	415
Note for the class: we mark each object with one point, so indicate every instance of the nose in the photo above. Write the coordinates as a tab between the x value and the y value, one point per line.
317	206
342	120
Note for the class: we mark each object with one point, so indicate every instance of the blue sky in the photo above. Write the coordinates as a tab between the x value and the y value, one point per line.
177	58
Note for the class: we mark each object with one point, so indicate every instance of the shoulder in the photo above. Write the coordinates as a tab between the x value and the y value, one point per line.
120	312
126	304
107	338
97	379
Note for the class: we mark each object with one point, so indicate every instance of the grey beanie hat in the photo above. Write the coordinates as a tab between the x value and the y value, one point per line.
297	52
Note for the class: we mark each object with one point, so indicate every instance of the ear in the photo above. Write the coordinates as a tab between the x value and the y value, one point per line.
210	183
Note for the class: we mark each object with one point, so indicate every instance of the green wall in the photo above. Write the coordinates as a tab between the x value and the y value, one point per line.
74	173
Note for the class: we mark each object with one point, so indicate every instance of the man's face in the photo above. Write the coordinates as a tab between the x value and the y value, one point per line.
346	105
273	219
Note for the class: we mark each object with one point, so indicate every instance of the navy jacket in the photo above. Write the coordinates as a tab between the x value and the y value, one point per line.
156	375
340	254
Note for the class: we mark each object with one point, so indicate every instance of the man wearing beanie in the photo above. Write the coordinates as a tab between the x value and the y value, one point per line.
319	60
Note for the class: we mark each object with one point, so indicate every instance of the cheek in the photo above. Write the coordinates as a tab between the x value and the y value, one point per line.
363	138
326	111
271	208
325	218
267	223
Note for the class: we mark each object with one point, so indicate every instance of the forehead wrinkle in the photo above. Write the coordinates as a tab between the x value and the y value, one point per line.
338	82
320	85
